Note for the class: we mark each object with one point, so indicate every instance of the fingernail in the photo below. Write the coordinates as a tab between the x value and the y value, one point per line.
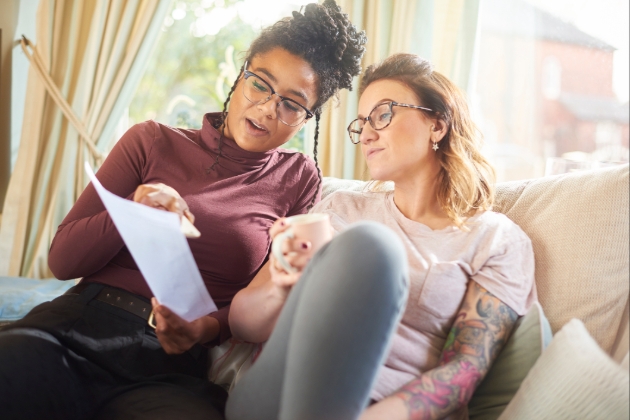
304	245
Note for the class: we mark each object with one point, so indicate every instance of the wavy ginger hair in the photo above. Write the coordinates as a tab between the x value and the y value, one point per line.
466	179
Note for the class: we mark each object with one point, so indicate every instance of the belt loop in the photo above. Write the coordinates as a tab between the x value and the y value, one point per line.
90	292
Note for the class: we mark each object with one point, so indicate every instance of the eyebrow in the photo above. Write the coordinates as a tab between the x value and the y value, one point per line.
273	79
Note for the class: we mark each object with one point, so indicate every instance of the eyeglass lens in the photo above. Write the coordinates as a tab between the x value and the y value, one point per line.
380	117
257	90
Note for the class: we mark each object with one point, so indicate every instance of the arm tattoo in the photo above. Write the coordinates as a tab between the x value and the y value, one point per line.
478	334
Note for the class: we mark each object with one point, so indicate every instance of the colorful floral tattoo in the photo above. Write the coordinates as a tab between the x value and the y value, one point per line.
480	330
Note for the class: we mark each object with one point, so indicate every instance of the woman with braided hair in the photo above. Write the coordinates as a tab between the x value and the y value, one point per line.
90	352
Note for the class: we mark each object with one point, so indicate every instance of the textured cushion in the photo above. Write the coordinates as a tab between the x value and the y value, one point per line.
573	379
578	224
531	336
19	295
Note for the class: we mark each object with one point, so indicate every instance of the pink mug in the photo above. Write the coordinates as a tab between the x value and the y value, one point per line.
314	228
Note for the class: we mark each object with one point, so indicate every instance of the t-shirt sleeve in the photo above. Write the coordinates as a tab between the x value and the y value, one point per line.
308	187
86	240
509	271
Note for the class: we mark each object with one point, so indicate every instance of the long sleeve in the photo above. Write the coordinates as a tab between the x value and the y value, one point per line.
87	239
224	332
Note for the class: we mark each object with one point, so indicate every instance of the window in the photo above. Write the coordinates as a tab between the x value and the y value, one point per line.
552	78
552	81
197	59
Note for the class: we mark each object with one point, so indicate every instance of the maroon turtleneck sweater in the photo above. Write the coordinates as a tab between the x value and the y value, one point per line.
234	205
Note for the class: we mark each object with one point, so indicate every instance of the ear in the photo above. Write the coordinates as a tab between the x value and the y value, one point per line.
438	130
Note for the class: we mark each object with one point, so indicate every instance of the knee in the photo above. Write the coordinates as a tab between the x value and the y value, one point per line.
372	243
374	250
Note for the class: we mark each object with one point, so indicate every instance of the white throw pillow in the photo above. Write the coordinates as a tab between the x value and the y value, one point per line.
572	379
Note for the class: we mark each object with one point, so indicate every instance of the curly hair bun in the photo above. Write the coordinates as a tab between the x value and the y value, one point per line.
323	36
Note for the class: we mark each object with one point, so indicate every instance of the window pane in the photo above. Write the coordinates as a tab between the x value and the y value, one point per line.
552	81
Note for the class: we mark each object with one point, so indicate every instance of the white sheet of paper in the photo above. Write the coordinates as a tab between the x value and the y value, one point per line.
160	249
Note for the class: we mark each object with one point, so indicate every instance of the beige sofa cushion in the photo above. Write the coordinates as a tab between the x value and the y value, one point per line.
573	379
578	224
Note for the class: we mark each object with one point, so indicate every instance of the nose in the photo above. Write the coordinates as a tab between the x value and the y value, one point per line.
269	106
368	134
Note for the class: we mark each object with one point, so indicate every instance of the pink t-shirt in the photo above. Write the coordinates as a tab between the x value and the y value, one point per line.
495	253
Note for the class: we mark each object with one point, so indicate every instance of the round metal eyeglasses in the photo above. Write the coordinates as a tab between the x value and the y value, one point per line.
258	91
379	118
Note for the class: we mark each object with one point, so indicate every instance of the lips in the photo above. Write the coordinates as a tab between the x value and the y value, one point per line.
255	128
371	153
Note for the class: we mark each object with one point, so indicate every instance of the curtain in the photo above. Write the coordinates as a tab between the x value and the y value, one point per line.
85	65
443	31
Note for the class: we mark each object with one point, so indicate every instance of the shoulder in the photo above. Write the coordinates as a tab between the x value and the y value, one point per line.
146	133
296	158
499	232
295	167
504	263
151	130
150	138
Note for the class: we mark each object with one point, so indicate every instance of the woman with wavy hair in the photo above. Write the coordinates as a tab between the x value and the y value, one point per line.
91	351
402	318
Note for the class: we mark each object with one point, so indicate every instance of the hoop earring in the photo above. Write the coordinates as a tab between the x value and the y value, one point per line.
435	147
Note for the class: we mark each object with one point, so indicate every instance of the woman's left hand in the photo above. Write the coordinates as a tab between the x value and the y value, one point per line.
177	335
296	252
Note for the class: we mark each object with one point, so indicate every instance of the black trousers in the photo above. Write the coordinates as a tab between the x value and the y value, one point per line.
80	358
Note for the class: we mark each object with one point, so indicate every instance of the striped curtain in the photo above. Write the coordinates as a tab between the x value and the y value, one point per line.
85	64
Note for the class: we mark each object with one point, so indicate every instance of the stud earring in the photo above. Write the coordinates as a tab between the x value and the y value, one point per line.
435	146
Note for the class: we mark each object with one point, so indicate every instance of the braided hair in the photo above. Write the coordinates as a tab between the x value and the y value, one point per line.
324	37
223	119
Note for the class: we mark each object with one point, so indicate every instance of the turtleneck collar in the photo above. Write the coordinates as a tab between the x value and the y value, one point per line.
232	157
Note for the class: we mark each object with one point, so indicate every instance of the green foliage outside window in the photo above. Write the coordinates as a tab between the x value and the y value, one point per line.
193	65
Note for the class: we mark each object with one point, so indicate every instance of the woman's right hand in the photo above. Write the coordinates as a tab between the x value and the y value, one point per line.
296	252
163	197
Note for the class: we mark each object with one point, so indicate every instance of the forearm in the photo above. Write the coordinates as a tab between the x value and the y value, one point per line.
255	310
482	326
209	329
441	391
223	331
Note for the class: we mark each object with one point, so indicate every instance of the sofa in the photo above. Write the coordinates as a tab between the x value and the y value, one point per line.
579	227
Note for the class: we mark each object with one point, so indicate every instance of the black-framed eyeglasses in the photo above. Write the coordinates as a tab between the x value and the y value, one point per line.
379	118
258	91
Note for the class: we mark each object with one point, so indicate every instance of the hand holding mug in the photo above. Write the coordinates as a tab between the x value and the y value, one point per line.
295	240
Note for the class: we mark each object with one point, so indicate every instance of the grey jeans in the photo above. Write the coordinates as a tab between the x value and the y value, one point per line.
333	333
